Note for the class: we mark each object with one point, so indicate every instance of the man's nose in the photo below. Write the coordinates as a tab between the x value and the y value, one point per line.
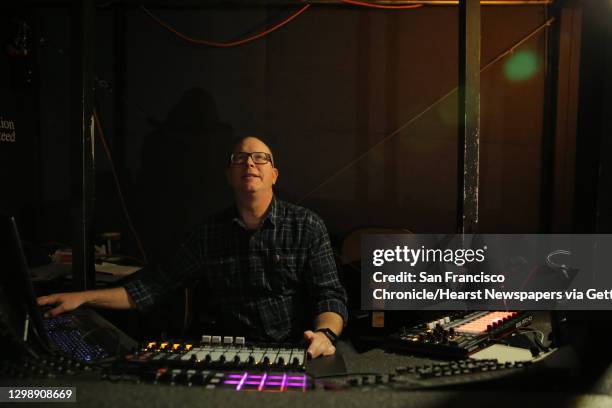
249	161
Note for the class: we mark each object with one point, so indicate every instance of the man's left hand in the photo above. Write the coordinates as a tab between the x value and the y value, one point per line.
320	345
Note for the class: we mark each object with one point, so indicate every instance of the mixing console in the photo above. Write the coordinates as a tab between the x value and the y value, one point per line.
217	362
459	334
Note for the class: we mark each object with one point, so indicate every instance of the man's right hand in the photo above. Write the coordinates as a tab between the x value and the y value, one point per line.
65	302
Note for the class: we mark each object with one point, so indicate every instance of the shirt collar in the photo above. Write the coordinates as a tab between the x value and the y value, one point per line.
270	219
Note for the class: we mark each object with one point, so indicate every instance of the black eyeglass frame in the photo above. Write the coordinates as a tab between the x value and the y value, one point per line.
269	158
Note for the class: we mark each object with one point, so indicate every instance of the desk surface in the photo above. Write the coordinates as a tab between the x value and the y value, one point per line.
107	394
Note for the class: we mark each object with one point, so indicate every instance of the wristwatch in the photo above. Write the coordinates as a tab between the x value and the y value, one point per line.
329	333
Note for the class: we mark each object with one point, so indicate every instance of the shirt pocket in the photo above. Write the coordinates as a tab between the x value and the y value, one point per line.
283	273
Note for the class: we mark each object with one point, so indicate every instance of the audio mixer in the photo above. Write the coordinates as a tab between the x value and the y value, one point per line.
459	334
217	362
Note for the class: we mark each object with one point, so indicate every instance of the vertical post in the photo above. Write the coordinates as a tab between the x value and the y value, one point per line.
551	71
82	146
469	116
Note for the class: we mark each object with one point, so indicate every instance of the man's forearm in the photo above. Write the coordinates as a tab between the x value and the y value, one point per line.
331	321
115	298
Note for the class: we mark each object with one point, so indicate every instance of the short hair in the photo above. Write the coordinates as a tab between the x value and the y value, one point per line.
241	139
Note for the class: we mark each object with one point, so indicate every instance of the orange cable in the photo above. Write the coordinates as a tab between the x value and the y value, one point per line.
381	6
224	44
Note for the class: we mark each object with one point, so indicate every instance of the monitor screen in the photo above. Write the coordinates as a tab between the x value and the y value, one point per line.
15	283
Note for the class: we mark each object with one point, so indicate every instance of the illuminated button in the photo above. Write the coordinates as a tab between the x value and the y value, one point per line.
240	341
228	340
216	340
206	339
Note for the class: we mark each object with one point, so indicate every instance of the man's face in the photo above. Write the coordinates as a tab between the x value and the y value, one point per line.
249	177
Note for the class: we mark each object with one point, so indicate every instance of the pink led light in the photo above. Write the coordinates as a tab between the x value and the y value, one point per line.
263	380
284	384
241	384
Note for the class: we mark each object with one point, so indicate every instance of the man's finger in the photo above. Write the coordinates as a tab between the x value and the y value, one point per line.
56	311
308	334
314	351
331	350
44	300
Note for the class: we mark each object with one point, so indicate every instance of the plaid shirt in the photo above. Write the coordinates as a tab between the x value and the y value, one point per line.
268	284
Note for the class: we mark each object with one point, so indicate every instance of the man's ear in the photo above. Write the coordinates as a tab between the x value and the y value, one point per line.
275	170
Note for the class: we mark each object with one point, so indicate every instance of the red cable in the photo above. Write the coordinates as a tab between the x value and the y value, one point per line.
121	199
224	44
381	6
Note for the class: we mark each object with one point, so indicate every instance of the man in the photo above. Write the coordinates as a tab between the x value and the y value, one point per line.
267	265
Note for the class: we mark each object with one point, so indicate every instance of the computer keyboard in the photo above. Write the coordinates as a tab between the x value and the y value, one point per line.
74	338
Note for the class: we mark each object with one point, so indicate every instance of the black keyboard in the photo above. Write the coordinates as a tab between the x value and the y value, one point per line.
74	338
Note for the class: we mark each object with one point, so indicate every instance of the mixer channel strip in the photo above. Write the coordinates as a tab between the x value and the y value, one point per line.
221	353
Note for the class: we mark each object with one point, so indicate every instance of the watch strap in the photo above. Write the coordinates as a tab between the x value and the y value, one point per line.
333	338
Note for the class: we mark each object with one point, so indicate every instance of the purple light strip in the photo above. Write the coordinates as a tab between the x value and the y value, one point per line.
263	380
231	382
292	384
235	375
241	384
252	382
297	377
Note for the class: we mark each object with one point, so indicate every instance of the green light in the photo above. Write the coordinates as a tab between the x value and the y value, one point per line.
521	66
447	112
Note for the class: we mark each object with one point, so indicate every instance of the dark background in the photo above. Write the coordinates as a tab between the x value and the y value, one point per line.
323	90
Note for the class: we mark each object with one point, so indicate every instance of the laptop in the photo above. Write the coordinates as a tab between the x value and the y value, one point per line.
81	334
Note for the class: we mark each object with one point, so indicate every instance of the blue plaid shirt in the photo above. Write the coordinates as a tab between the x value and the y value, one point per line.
268	284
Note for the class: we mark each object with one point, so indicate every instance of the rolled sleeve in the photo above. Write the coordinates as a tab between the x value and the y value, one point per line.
324	287
142	293
154	284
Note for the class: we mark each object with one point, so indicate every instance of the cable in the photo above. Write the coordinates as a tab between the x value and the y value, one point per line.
418	115
381	6
120	193
224	43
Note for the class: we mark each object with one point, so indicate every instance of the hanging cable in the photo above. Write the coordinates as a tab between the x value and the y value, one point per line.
223	43
427	109
381	6
120	193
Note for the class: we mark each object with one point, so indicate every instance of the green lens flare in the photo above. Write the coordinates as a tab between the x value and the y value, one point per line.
521	66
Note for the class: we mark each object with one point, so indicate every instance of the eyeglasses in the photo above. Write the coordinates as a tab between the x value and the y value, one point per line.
258	158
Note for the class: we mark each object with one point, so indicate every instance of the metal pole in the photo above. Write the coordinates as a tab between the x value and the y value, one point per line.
82	153
469	116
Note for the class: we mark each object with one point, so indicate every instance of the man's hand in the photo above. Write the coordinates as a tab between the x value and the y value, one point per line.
319	344
65	302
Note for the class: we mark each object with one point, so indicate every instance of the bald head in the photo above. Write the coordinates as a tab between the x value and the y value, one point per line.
252	141
252	172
